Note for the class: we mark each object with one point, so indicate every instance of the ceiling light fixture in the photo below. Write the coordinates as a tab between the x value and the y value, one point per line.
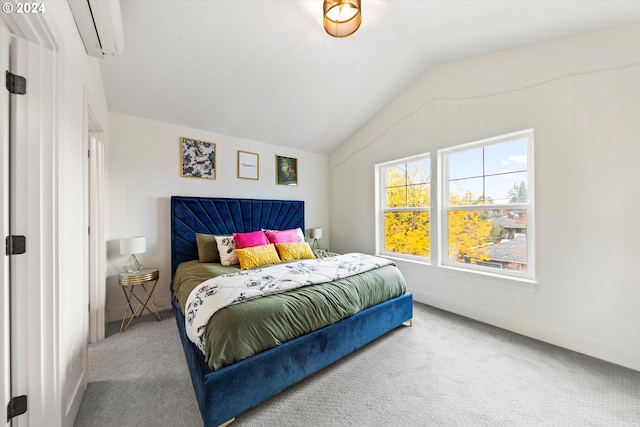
341	17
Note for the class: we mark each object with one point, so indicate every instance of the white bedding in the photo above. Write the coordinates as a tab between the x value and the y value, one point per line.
219	292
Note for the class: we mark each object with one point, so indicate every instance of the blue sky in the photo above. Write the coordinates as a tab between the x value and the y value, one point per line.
502	165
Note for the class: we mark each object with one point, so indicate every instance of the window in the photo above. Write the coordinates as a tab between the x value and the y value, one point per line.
405	208
486	204
484	207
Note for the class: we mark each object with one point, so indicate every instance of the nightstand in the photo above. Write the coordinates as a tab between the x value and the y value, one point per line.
140	280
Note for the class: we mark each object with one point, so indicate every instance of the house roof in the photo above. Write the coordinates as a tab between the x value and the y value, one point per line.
510	250
510	223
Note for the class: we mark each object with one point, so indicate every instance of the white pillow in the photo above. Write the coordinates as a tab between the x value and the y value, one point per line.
227	250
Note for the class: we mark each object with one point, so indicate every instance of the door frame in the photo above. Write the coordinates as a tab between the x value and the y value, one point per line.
96	251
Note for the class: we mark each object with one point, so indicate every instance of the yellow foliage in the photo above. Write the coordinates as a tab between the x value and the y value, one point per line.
407	231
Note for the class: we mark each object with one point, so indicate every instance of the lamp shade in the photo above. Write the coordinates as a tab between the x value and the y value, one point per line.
133	245
341	17
315	233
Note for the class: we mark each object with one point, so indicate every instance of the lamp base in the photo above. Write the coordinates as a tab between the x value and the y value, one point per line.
315	244
132	265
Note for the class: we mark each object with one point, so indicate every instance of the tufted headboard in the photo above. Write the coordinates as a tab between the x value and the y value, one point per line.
209	215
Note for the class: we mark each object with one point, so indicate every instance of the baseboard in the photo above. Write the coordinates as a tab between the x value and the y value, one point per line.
116	313
613	353
73	407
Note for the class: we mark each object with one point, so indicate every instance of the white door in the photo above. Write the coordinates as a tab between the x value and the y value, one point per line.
22	283
28	198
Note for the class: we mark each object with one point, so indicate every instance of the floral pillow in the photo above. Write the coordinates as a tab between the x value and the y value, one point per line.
227	250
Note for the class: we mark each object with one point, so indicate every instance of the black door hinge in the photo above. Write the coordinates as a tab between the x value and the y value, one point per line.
16	84
15	245
17	406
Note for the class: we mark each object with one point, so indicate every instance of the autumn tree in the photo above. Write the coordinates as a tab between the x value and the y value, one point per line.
469	231
407	230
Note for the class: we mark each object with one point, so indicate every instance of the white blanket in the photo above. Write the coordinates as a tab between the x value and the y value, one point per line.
219	292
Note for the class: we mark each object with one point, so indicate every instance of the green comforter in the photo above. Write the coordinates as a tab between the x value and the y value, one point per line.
242	330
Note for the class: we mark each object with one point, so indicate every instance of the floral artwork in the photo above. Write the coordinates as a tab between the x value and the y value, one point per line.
198	158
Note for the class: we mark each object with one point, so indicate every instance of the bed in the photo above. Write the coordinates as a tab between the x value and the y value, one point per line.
225	392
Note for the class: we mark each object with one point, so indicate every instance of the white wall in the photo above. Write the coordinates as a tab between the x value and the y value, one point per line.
143	172
581	95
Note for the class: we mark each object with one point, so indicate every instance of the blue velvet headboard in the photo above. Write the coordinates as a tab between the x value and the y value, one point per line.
207	215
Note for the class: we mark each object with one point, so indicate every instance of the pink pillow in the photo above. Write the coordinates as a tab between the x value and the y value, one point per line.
284	236
248	240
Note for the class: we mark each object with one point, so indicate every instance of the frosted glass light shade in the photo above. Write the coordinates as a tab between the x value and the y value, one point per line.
133	245
315	233
341	17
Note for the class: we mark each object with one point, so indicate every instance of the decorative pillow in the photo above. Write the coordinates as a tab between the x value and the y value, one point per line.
284	236
207	248
227	250
298	230
257	256
247	240
292	251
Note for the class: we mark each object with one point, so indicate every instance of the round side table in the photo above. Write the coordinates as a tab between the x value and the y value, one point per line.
140	279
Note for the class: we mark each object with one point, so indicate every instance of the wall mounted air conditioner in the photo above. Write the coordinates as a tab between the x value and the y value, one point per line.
100	25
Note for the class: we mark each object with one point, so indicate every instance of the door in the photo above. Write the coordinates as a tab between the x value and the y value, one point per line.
28	197
5	328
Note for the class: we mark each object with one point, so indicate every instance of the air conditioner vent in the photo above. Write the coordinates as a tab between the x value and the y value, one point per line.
100	25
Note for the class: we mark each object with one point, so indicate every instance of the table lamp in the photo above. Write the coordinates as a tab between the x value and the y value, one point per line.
132	246
315	234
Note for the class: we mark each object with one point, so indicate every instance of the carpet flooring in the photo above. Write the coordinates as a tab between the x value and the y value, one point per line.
446	370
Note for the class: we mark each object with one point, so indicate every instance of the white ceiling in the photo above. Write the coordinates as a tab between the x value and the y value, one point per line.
265	69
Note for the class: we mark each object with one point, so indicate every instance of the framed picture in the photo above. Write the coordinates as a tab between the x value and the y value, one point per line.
286	170
248	165
198	158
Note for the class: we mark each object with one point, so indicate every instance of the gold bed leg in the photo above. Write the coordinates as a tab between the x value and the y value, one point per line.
226	423
408	323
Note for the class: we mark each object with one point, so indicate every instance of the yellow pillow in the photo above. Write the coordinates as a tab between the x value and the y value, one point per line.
297	250
257	256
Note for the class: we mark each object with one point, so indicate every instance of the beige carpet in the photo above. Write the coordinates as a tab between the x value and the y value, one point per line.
446	370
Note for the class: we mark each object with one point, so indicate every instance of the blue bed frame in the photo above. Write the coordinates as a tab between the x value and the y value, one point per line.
227	392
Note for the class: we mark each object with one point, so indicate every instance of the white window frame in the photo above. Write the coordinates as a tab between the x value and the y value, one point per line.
443	203
381	208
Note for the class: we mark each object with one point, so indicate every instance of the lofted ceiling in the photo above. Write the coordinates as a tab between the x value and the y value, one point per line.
266	70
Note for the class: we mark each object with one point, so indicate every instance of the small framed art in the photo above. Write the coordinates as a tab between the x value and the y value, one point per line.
198	158
248	165
286	170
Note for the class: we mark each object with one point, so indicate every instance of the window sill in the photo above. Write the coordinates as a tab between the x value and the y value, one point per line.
415	260
452	275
